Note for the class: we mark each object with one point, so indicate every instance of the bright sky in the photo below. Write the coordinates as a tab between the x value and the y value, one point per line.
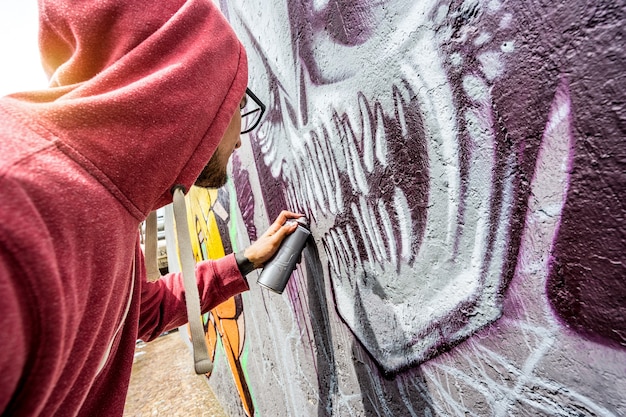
20	68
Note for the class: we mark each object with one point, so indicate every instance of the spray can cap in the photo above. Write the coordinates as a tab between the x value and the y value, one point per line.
302	221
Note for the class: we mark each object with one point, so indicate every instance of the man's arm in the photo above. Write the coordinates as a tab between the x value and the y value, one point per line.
163	301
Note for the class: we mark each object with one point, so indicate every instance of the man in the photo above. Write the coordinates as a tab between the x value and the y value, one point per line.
142	94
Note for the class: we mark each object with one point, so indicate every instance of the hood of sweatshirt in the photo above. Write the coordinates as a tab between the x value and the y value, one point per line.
141	92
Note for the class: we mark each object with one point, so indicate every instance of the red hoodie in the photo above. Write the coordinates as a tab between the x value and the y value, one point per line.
141	93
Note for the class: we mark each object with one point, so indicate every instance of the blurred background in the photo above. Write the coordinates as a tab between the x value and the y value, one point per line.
19	54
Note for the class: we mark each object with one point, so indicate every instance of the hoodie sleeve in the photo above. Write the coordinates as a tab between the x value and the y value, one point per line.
163	302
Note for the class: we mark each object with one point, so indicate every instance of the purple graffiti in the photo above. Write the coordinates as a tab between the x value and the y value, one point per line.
395	179
245	197
587	283
418	182
462	163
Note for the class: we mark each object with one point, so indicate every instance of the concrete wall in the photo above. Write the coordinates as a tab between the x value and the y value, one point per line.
462	164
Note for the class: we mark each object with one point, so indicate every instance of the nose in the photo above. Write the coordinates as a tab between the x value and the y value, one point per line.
238	143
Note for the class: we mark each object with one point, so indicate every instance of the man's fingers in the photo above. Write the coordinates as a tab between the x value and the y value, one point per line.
280	221
286	215
267	245
283	231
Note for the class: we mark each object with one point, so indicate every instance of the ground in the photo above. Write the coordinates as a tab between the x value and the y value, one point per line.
163	382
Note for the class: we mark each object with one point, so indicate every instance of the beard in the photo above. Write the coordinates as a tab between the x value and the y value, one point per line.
214	174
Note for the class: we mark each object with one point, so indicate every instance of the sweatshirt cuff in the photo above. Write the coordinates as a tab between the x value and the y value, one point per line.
230	281
244	264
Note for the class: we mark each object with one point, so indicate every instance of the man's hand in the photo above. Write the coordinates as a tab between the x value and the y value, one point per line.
266	246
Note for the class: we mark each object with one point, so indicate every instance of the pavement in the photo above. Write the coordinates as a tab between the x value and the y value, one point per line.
163	382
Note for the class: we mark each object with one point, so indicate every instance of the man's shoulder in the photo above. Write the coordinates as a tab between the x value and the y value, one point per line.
21	138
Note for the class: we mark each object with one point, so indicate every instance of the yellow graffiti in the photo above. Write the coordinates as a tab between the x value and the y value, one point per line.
227	319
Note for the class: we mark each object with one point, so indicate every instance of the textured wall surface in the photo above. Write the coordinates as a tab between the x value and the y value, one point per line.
462	164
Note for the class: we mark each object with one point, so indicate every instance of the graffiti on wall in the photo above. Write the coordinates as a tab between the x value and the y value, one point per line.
208	220
420	191
461	164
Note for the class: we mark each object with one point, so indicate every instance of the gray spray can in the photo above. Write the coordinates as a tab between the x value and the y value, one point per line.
278	269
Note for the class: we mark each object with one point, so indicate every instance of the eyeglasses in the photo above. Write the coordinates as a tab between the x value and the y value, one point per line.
251	112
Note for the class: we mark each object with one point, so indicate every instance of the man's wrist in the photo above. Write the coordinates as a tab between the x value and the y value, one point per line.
243	263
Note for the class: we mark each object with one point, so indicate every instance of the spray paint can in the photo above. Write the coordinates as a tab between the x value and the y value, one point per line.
278	269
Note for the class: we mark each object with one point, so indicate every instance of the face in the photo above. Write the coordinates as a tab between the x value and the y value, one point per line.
214	174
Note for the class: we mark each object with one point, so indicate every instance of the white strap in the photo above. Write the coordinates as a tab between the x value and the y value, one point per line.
107	353
150	250
202	362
